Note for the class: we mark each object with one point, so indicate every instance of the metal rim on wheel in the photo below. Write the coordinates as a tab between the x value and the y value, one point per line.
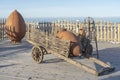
37	54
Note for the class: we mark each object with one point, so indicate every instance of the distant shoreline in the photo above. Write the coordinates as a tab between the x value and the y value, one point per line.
74	19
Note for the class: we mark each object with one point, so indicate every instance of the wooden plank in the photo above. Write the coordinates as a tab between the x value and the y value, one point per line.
78	64
31	42
99	62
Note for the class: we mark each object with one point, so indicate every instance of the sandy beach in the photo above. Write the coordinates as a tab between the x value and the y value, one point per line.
16	64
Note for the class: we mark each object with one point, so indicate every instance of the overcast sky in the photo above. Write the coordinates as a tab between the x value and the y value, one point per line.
61	8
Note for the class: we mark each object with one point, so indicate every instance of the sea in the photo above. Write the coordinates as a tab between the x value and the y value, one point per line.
73	19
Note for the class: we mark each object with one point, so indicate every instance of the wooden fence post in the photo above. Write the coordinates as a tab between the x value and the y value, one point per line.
97	30
0	29
101	30
65	24
56	26
3	29
74	28
59	25
81	25
105	30
119	32
53	28
71	25
108	32
115	33
111	31
47	43
77	27
29	30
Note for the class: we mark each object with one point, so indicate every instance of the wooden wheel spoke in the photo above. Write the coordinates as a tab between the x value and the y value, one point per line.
37	59
43	50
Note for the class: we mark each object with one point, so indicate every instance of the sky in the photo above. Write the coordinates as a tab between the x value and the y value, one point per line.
61	8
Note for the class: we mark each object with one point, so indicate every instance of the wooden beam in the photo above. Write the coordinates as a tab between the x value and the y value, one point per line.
31	42
78	64
99	62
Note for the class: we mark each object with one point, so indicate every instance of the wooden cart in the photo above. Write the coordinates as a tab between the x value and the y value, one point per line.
45	43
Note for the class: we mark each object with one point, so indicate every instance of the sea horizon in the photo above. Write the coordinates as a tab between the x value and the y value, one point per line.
74	19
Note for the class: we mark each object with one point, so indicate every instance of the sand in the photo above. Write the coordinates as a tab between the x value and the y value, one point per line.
16	64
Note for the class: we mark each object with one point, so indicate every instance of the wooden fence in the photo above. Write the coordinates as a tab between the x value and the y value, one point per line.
106	31
2	30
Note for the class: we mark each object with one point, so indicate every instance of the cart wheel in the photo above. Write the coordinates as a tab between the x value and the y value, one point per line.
37	54
44	51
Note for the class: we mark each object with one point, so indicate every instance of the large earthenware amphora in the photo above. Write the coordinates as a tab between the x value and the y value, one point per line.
15	27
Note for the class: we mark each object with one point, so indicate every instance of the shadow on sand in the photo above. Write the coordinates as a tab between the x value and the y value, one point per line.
117	77
2	66
110	56
10	49
54	60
